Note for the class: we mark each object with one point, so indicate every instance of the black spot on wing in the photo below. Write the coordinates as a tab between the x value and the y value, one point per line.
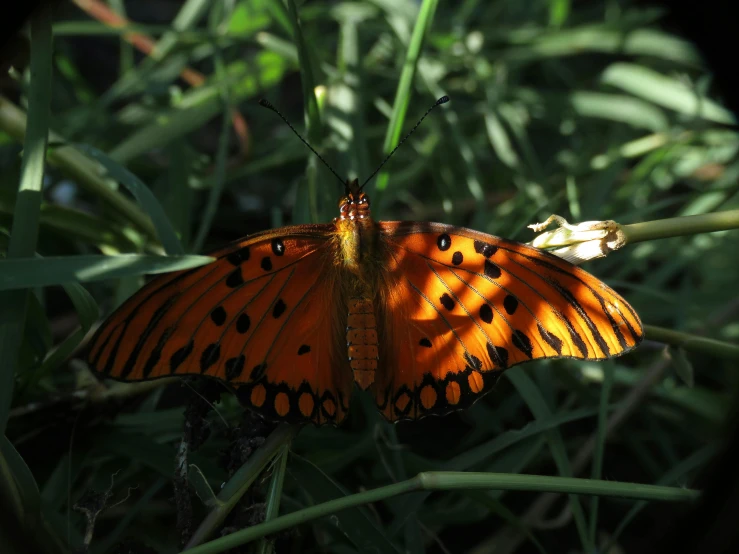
156	353
491	270
278	247
218	316
472	361
510	303
498	355
425	342
266	263
240	255
180	356
234	367
447	301
235	278
444	242
486	313
552	340
257	372
243	323
522	342
304	349
210	356
484	248
457	258
279	308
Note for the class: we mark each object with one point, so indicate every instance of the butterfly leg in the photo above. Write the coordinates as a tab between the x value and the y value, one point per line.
361	341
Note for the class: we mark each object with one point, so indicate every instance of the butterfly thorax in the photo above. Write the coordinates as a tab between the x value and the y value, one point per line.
356	230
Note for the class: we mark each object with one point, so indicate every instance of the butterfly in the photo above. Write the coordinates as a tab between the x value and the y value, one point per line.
424	316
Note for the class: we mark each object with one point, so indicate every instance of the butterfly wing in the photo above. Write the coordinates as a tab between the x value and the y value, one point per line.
459	306
263	318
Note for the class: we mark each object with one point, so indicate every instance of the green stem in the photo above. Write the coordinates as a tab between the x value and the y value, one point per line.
691	342
680	226
452	481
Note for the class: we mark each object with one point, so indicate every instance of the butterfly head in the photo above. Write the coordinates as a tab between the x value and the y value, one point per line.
354	204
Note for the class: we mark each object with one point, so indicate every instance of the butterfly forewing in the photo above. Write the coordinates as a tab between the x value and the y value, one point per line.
259	318
461	306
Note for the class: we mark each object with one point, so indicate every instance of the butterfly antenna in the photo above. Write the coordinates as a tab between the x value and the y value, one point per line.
440	101
266	104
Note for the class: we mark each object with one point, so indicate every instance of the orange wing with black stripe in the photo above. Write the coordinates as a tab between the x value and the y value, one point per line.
460	306
265	317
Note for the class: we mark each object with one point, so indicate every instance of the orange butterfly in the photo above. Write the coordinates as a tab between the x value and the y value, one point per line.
426	316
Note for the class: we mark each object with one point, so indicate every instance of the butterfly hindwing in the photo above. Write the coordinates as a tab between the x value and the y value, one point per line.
462	306
260	318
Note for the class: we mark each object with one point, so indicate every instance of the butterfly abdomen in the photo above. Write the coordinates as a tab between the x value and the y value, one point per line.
361	341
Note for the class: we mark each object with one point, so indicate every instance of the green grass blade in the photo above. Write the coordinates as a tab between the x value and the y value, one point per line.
221	154
688	465
559	10
312	108
235	488
357	524
486	450
274	492
498	508
618	107
87	312
538	406
605	393
345	114
18	486
75	165
664	91
191	12
28	202
423	23
127	50
499	140
143	196
307	77
21	503
600	38
44	272
246	79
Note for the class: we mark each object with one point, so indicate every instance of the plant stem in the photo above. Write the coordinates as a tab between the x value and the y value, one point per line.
452	480
680	226
695	343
